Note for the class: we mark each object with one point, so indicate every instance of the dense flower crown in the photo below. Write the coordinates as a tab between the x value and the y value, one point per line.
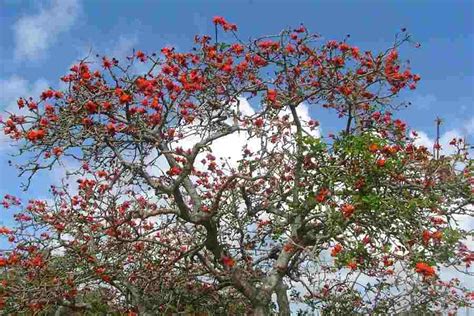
158	217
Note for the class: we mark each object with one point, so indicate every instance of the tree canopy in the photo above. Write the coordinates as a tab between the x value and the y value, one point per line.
156	218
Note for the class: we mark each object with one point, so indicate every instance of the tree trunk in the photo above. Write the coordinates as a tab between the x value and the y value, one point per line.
261	310
282	300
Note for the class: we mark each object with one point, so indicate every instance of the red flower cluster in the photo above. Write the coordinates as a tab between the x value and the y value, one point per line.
373	148
425	269
322	195
125	98
106	63
5	231
35	134
51	93
336	250
259	122
228	261
218	20
174	171
269	45
381	162
91	107
271	95
347	210
352	265
427	235
396	78
141	55
57	151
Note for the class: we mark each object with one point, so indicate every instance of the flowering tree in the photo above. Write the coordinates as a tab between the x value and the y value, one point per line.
157	222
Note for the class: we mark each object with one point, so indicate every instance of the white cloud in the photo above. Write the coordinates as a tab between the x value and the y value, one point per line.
34	34
10	90
465	222
303	113
463	131
231	146
469	126
123	46
15	86
424	140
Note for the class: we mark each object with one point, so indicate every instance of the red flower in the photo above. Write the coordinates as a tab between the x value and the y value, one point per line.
269	45
290	49
174	171
37	261
218	20
381	162
86	75
259	122
105	278
344	47
141	55
21	103
57	151
5	231
47	94
387	262
301	29
425	269
106	106
102	174
32	105
259	61
228	261
336	250
237	48
322	195
468	259
288	247
373	148
35	135
344	89
426	236
106	63
271	95
352	265
111	128
227	68
125	98
91	107
437	235
376	115
347	210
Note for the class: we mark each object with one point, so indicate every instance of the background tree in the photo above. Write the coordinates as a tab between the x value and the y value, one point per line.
354	223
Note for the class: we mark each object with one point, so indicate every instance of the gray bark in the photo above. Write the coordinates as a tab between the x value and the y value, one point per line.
282	300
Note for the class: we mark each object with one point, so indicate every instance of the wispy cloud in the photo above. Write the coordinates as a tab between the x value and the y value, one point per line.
469	126
15	86
10	90
464	130
124	46
36	33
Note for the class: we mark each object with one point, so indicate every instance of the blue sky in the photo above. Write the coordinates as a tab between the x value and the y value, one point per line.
41	39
